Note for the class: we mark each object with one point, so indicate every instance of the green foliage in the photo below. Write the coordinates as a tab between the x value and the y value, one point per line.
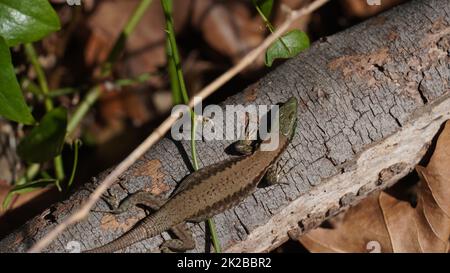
46	140
12	103
172	70
25	188
20	22
174	61
24	21
289	45
265	6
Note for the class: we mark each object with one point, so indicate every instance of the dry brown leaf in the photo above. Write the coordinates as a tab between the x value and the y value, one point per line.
392	225
361	225
229	27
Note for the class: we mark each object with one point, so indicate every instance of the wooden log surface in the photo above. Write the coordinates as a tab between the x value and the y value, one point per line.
371	100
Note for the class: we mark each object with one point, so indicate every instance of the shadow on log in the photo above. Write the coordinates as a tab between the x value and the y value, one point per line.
371	100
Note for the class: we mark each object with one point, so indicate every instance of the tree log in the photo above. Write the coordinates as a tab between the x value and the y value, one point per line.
371	100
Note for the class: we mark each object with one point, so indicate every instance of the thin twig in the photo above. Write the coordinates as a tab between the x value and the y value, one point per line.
83	212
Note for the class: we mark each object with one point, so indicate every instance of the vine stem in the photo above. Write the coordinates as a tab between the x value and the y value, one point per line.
82	109
175	64
126	32
165	126
32	57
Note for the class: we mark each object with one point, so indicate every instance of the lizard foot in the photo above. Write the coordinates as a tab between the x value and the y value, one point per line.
184	242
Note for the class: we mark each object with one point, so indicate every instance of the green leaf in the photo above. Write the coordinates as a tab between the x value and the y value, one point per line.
12	103
287	46
24	21
28	187
46	140
265	6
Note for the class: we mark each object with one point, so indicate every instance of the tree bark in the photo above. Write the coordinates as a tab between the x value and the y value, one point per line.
371	100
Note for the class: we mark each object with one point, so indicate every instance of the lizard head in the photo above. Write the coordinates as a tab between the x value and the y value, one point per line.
288	117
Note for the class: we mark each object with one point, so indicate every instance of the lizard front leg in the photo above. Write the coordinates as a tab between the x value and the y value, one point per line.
138	198
272	175
184	242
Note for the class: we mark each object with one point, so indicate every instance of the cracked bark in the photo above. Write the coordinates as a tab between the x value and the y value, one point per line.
371	100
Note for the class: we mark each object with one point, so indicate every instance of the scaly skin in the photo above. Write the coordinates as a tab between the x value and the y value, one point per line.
211	190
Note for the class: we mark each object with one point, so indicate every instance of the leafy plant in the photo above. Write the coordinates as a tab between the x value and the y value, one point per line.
264	6
45	141
295	40
12	103
25	188
20	22
288	45
26	21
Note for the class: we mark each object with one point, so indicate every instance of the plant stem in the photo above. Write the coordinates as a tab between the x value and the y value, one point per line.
32	57
30	86
29	174
90	98
193	146
75	162
142	78
214	236
167	6
59	168
61	92
172	69
178	76
181	88
126	32
136	17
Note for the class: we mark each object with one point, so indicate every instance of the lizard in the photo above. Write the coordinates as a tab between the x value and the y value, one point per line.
207	192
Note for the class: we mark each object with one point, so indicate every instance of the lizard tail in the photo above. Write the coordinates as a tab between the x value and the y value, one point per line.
132	236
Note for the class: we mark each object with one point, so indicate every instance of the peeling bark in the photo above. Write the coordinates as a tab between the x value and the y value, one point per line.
371	100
